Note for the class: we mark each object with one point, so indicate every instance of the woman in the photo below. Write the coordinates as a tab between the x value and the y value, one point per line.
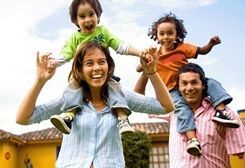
94	141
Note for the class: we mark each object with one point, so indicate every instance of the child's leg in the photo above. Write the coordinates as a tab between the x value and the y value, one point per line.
217	93
117	102
123	125
185	118
63	121
220	98
185	123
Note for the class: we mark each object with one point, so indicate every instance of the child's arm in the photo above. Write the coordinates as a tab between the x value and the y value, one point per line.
126	49
60	61
208	47
134	51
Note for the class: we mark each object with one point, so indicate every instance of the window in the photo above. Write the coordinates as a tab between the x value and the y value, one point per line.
159	156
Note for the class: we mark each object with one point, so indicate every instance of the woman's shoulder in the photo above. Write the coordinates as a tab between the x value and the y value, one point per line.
72	94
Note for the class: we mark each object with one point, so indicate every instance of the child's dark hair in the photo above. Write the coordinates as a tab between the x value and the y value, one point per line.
192	67
171	18
95	4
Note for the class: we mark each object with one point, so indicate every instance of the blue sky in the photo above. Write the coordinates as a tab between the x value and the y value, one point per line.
43	25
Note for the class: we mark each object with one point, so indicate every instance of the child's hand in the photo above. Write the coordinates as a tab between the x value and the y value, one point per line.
214	41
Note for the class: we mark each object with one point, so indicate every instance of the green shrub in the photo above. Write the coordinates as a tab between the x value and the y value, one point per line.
136	149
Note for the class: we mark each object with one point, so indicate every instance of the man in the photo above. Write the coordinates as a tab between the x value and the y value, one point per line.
216	142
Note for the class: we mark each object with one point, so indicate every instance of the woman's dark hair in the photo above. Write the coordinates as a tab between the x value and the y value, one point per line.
77	66
95	4
169	18
192	67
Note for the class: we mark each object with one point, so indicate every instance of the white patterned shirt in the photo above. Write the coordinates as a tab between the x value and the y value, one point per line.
94	137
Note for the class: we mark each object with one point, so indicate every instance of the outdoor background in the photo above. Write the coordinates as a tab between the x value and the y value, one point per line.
29	26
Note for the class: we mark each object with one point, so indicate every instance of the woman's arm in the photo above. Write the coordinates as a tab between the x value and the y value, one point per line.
45	70
161	91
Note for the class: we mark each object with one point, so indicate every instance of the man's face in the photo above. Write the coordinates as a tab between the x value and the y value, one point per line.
191	88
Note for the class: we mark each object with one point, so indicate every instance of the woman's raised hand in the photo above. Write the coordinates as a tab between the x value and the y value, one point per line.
149	60
45	66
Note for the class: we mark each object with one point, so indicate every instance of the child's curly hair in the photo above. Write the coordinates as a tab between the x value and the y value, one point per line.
171	18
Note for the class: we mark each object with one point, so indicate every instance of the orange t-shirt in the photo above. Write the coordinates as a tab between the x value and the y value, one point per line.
168	64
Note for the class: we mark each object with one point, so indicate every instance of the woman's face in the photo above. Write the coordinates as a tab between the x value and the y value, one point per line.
95	68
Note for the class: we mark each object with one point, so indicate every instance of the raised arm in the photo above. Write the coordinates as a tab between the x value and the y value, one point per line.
126	49
45	70
161	91
134	51
208	47
141	83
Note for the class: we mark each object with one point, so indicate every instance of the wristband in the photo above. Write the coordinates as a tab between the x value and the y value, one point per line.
150	73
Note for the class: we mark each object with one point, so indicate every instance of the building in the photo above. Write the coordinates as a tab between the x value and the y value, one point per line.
40	148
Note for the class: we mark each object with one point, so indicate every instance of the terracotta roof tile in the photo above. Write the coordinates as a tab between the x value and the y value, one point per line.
152	128
9	136
43	135
52	134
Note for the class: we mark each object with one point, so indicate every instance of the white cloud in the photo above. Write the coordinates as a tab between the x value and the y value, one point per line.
28	12
176	4
238	95
169	4
18	49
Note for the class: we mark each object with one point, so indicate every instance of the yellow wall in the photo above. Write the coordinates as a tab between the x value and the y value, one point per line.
241	113
237	162
11	149
41	155
44	155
